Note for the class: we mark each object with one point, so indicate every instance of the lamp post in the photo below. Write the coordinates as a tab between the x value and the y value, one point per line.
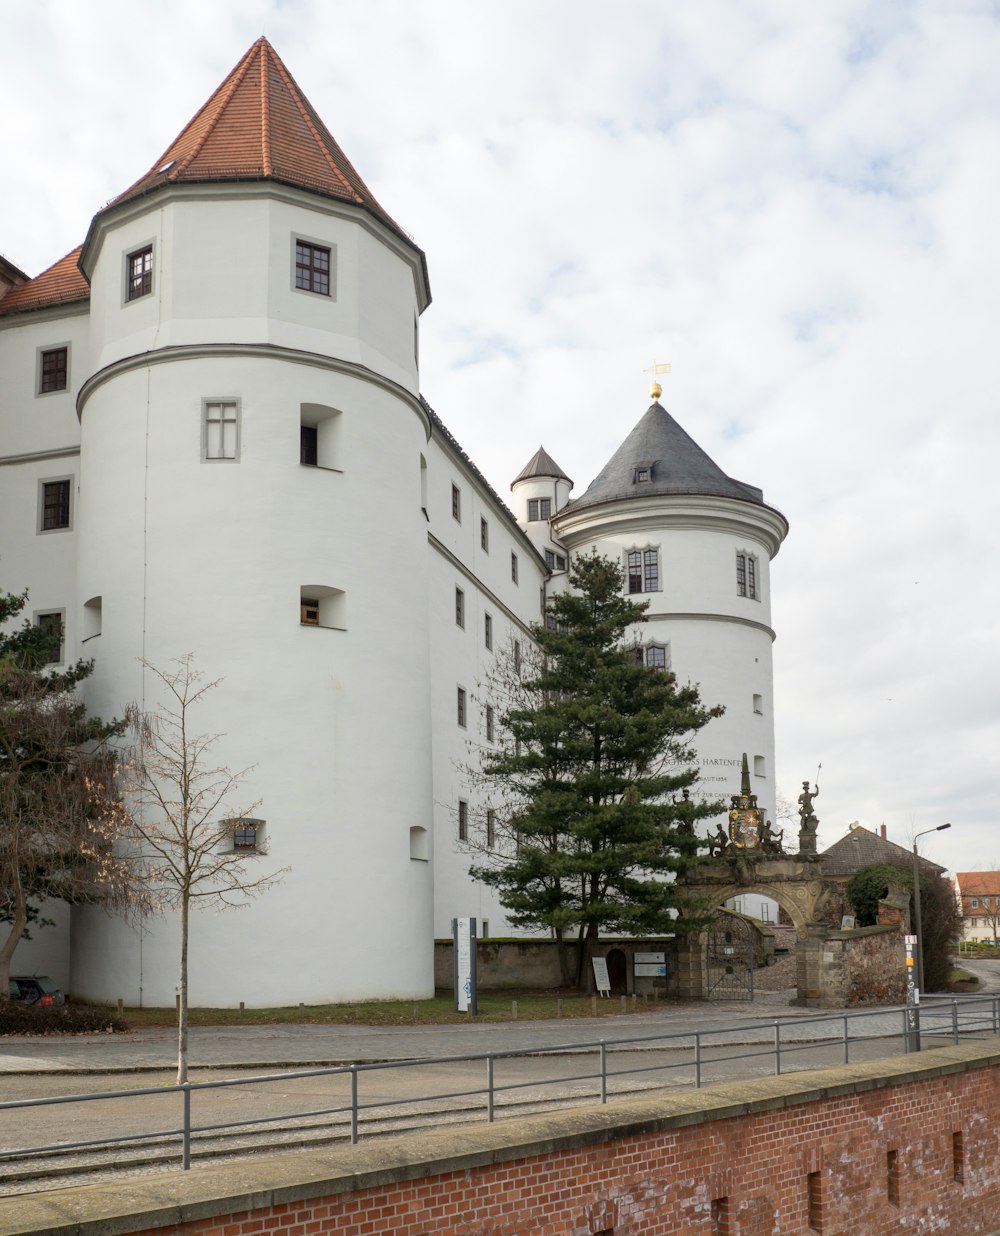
916	903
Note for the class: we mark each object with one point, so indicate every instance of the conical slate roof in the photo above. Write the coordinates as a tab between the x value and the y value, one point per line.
540	464
658	457
259	125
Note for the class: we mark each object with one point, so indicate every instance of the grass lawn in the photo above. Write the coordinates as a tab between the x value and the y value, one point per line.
494	1006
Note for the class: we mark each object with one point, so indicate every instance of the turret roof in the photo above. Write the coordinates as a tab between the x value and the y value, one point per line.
540	464
658	457
61	284
259	125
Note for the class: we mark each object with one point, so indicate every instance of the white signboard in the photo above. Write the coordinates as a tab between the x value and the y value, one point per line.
464	938
650	965
601	975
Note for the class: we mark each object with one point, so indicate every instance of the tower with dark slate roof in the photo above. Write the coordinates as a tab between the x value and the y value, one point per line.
696	545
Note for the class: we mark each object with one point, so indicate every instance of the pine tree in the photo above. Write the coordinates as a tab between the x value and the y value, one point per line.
583	787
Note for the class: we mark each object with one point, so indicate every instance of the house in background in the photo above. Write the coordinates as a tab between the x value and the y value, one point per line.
978	896
861	848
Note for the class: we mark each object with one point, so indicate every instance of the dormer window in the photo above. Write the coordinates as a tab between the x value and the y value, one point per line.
643	474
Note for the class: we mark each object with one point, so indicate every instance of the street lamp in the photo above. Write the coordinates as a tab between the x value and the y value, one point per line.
916	904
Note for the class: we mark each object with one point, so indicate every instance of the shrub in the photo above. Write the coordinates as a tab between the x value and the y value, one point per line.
19	1018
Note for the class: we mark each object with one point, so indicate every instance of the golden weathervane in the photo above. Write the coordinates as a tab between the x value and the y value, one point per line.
656	390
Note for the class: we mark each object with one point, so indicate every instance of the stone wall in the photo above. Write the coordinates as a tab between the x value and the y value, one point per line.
534	964
865	966
905	1144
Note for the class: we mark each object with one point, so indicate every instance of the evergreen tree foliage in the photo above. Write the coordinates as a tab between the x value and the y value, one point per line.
57	796
584	783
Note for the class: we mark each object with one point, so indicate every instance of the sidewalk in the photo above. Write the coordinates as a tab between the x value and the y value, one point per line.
289	1046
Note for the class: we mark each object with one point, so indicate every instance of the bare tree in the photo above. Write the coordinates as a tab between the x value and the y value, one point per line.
59	817
181	819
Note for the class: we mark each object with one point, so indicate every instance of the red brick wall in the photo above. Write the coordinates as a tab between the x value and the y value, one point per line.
824	1159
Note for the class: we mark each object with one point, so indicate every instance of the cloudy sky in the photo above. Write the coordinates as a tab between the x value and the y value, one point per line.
794	204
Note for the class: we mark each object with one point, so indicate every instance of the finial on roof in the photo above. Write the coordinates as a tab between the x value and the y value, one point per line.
656	390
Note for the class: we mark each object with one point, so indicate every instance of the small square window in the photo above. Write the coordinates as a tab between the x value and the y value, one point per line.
246	834
484	535
459	607
643	474
456	503
461	709
55	505
52	624
309	611
53	372
312	268
463	820
488	631
513	567
139	273
221	431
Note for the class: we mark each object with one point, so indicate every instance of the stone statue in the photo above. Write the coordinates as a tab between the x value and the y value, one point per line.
718	842
809	822
771	842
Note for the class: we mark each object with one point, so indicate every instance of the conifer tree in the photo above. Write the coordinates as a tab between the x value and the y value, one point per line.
584	790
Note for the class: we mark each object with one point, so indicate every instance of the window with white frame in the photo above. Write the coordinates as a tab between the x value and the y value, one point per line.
221	433
643	570
746	576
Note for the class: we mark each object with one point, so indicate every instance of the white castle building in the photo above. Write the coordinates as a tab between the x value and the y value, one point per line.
213	441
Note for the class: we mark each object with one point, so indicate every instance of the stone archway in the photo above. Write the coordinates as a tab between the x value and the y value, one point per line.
795	882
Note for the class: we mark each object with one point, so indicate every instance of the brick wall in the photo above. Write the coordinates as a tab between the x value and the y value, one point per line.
895	1145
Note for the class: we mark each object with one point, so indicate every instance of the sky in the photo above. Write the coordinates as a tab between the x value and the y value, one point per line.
794	205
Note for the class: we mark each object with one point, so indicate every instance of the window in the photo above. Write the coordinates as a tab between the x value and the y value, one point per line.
484	535
550	559
758	766
246	834
309	611
91	624
55	508
957	1156
758	705
814	1201
456	503
463	820
892	1176
560	562
656	657
461	706
490	723
488	631
513	567
517	656
459	607
52	624
323	606
485	929
643	570
974	903
746	576
539	508
308	442
643	474
139	273
312	268
491	835
419	847
222	429
53	370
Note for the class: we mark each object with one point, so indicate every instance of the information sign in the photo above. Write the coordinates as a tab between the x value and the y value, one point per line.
463	932
650	965
601	978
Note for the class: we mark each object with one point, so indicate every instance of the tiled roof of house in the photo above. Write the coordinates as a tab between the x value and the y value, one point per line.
861	848
259	125
978	883
540	464
61	284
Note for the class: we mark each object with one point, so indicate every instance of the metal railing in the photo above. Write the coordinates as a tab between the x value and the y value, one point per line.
937	1020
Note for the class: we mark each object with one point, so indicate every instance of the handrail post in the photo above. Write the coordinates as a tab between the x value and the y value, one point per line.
489	1087
777	1049
186	1144
847	1042
354	1104
697	1060
604	1071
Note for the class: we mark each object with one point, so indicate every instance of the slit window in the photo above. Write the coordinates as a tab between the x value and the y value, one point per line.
463	820
513	567
459	607
484	535
490	723
488	631
461	706
491	835
456	503
892	1177
308	445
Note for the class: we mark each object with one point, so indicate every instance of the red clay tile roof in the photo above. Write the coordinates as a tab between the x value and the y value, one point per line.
978	883
61	284
259	125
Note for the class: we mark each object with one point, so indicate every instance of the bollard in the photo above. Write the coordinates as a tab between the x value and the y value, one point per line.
177	1003
241	1006
513	1010
121	1006
416	1010
559	1008
623	1004
593	1006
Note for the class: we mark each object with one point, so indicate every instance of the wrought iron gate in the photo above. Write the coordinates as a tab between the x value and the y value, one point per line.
730	959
